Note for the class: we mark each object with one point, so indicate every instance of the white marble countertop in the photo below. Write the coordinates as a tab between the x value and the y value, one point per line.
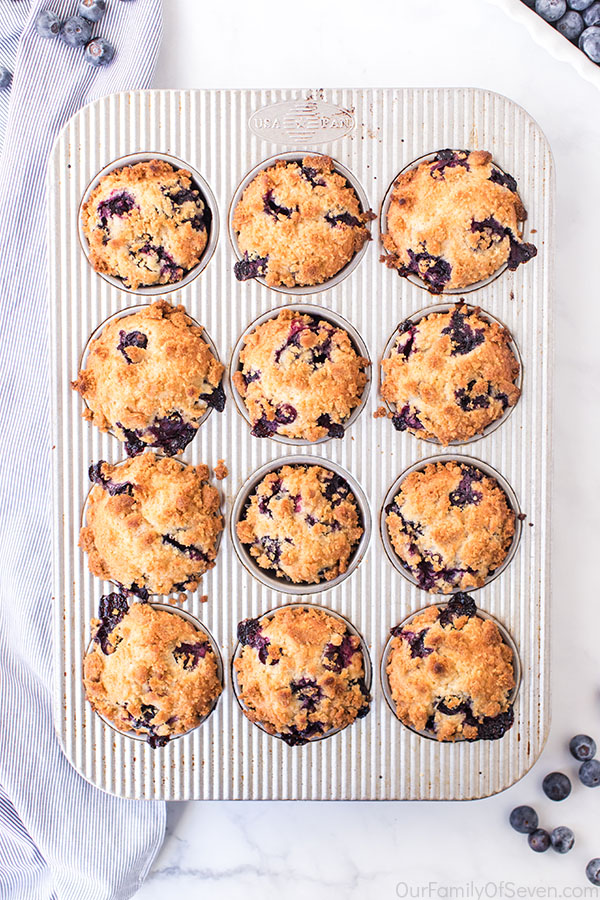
385	850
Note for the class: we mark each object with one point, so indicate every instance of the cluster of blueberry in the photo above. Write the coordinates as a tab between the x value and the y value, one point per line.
577	20
557	786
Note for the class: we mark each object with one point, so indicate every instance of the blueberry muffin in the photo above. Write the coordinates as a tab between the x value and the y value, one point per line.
149	671
303	523
298	223
449	375
451	674
455	220
152	524
300	674
146	224
299	377
150	378
451	526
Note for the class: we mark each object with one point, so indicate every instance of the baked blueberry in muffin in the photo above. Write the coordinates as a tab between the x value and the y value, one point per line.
149	671
152	524
300	674
451	674
455	220
150	378
451	526
303	523
146	224
449	375
298	223
299	377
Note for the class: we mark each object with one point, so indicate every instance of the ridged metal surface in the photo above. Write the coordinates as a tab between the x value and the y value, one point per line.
376	758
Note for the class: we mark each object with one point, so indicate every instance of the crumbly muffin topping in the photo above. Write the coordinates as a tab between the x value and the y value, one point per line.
450	673
152	524
455	220
149	671
451	526
149	378
298	223
300	674
449	375
302	522
300	377
146	224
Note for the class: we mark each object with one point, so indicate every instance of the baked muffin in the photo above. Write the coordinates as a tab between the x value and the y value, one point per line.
303	523
146	224
152	524
298	223
455	220
300	674
451	674
449	375
450	525
300	377
149	671
150	378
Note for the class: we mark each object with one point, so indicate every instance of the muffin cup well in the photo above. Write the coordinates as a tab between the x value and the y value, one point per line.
368	667
317	312
130	311
469	461
297	156
196	623
181	462
486	316
385	657
212	214
414	279
281	584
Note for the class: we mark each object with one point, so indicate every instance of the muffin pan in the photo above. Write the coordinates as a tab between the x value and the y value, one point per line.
383	131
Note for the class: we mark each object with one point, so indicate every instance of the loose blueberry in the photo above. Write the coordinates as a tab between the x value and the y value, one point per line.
92	10
551	10
591	16
592	870
562	839
524	819
589	773
47	24
76	31
579	5
557	786
5	77
539	840
99	52
571	25
582	747
589	42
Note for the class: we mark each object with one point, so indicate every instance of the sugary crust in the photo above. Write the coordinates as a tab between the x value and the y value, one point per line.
145	224
128	536
302	686
453	396
305	366
451	525
301	245
131	387
141	670
440	209
466	661
303	523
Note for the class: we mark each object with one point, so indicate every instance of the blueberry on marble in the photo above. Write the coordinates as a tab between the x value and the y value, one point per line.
524	819
539	840
247	267
47	24
592	871
112	608
557	785
589	42
562	839
76	31
189	655
92	10
571	25
551	10
589	773
5	77
99	52
582	747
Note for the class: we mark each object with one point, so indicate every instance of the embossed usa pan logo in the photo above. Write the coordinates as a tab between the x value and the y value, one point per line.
313	121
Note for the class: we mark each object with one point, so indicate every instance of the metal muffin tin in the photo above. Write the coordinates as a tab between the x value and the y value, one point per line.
373	134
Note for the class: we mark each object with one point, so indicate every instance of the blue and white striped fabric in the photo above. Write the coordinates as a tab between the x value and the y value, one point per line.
60	838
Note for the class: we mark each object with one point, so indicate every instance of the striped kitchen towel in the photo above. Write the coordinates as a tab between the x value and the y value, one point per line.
59	836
